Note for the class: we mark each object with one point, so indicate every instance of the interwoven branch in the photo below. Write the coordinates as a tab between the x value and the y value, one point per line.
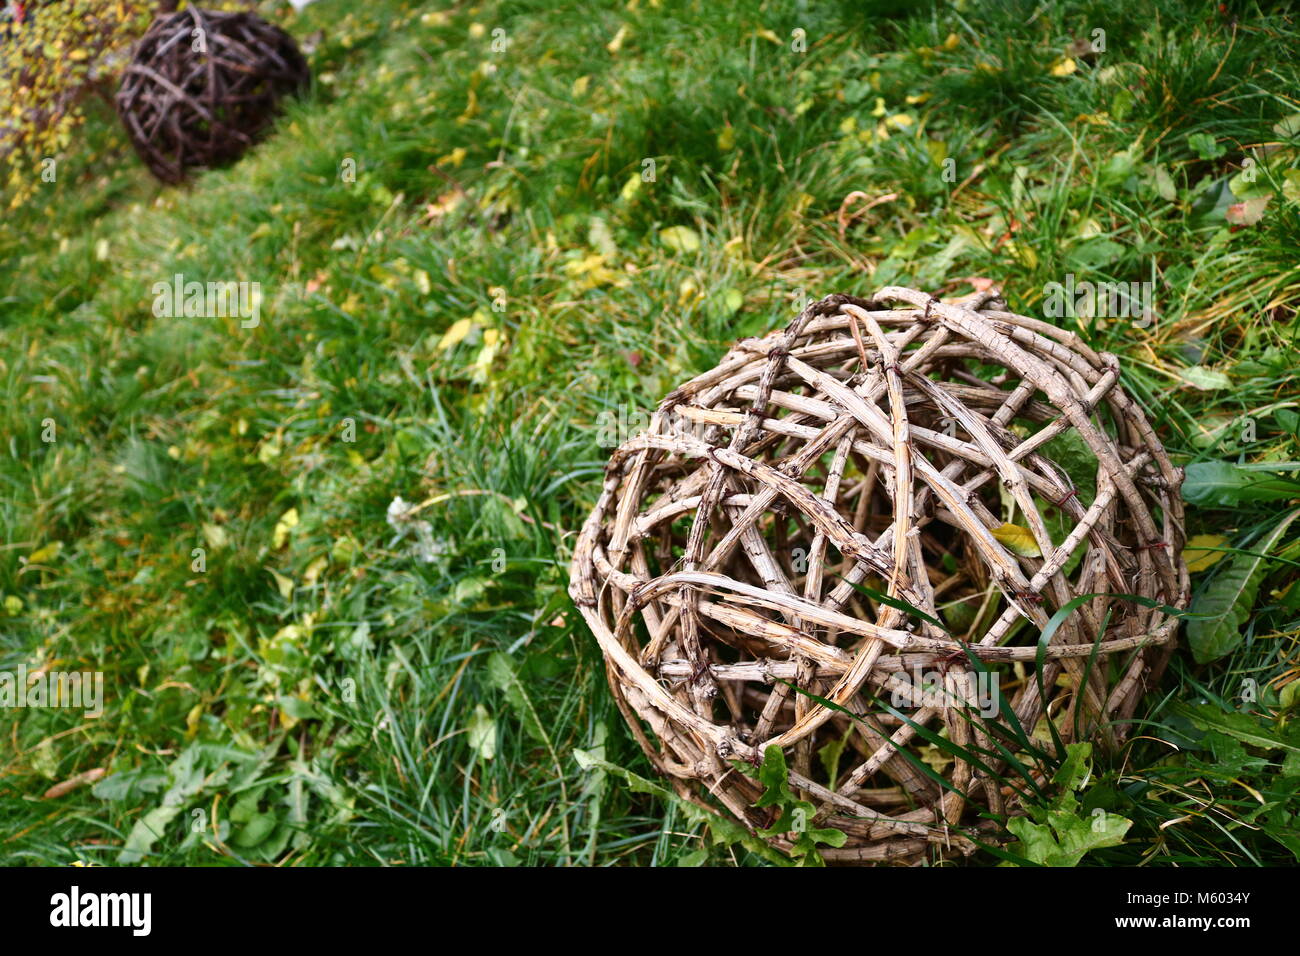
185	107
798	529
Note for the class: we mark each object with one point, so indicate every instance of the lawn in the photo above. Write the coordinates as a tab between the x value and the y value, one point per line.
488	240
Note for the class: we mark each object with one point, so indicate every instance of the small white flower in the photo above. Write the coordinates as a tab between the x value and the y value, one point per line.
399	512
401	517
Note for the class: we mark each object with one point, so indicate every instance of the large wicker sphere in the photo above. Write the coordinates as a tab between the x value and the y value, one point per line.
810	543
203	86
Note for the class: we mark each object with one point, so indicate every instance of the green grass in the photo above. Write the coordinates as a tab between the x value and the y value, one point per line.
325	694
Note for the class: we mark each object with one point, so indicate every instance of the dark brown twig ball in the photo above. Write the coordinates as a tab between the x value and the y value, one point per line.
203	86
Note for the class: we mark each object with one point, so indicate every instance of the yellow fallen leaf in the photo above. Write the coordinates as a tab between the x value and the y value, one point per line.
616	44
1199	552
1017	539
454	158
456	334
727	139
471	107
680	238
580	85
935	757
288	521
592	272
313	572
215	536
46	553
282	584
269	449
951	42
492	342
289	634
1064	66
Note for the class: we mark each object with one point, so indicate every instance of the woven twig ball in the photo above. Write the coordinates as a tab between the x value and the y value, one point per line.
203	86
813	543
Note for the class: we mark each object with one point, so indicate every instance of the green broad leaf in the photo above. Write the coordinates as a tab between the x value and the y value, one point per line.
297	708
830	754
1244	727
795	814
1205	147
826	835
960	615
1071	452
1291	185
256	830
188	777
1230	757
1096	253
1288	418
1076	766
1121	103
1066	837
1225	603
146	832
1221	484
774	775
732	300
1260	173
501	675
1205	379
1117	169
1165	187
1288	127
129	785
